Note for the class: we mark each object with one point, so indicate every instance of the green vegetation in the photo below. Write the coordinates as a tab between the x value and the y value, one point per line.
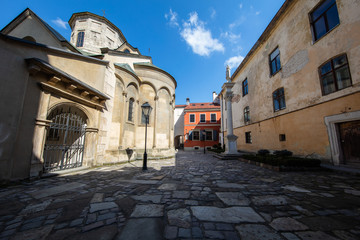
282	158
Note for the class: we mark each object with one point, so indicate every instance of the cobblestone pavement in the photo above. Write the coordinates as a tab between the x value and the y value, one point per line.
195	196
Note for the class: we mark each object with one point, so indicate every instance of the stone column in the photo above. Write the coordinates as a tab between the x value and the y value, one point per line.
41	123
155	109
123	113
231	147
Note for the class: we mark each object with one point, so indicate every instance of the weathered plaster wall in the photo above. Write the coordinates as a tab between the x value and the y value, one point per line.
305	130
300	58
33	28
21	103
179	121
98	34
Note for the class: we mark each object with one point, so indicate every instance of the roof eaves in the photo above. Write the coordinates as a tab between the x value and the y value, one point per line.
52	68
152	66
52	49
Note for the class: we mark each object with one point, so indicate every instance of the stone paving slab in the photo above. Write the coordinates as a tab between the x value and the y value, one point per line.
257	231
56	190
227	215
142	229
150	210
194	196
233	198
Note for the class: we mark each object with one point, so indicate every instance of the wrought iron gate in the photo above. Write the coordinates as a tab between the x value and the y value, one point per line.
65	141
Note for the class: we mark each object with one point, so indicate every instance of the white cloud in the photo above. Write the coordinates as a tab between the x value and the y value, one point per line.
231	37
234	62
237	22
257	13
241	6
198	38
60	23
213	13
172	17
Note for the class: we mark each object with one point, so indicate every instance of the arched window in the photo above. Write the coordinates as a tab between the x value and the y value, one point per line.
30	39
126	51
279	99
80	39
246	114
131	110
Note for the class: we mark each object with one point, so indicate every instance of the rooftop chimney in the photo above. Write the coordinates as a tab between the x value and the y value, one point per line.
187	101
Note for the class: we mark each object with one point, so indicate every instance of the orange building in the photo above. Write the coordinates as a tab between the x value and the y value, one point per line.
201	125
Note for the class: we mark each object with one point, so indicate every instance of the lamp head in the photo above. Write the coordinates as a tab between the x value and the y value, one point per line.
146	109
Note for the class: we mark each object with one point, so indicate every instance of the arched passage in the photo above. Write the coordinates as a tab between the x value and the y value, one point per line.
179	142
65	138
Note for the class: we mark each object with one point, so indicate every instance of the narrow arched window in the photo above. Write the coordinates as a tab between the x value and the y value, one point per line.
246	114
80	39
131	110
279	99
126	51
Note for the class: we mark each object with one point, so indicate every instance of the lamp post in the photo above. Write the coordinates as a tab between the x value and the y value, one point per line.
146	110
203	133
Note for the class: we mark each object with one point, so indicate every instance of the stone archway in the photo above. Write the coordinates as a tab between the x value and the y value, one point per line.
65	138
179	142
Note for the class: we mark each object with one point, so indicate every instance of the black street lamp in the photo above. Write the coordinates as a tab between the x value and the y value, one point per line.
146	110
203	133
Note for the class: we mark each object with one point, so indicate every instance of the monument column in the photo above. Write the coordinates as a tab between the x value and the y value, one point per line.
231	147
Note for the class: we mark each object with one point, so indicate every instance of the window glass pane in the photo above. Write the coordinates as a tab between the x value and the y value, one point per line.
274	54
213	117
130	114
278	65
281	91
326	68
321	9
339	61
80	39
208	135
192	118
343	77
282	102
276	105
328	83
332	17
273	67
202	117
320	28
196	135
275	94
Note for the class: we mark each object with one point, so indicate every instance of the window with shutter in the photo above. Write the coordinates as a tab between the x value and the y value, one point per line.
215	135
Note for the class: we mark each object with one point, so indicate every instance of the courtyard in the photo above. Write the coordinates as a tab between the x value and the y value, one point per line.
194	196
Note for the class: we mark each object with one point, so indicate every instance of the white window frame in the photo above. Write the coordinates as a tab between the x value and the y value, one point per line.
211	117
203	114
190	118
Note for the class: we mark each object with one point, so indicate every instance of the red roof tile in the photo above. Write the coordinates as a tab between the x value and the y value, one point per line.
202	106
179	106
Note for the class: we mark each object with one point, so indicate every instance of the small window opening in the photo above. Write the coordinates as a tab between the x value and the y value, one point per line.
282	137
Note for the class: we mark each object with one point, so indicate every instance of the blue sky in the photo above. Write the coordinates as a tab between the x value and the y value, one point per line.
192	40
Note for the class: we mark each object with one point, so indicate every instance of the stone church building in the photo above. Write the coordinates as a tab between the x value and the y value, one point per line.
69	104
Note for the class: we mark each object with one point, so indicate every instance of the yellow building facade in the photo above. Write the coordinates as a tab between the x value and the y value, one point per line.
299	86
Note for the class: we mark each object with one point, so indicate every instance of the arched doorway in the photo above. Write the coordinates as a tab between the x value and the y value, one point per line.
179	142
65	139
